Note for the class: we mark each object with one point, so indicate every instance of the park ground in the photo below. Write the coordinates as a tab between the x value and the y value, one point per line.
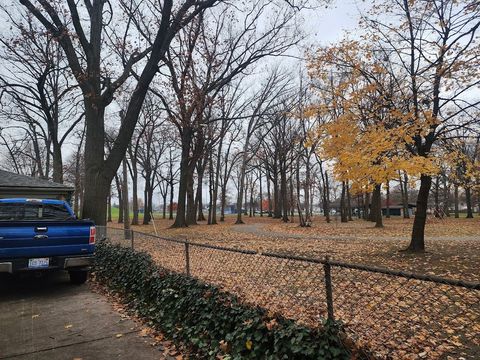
452	245
377	311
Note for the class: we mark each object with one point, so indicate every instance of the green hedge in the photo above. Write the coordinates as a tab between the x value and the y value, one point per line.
208	320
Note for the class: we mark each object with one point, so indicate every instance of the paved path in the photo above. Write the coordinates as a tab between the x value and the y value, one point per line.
259	230
48	318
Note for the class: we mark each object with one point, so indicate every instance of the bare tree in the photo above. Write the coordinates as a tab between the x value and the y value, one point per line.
263	101
83	31
36	92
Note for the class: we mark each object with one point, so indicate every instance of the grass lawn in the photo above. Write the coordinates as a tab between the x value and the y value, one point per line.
115	210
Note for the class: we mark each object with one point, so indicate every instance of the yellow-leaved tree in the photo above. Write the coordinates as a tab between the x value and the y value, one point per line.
368	133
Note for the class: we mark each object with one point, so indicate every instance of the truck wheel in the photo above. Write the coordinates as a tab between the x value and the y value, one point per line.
78	277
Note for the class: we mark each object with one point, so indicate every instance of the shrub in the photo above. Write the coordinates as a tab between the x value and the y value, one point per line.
210	321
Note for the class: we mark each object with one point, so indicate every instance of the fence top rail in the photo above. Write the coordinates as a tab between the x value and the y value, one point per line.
179	241
408	275
473	285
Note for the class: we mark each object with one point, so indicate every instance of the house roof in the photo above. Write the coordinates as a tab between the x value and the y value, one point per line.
10	181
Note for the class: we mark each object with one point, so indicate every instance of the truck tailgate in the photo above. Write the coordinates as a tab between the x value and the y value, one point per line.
44	238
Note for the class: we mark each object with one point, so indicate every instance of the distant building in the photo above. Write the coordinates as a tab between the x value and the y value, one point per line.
397	209
231	209
14	185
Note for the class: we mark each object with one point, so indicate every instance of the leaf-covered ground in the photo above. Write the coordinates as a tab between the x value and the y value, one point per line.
453	245
404	319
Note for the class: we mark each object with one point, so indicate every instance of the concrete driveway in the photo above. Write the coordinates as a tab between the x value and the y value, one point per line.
48	318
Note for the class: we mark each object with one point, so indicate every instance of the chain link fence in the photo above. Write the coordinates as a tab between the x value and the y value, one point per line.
392	314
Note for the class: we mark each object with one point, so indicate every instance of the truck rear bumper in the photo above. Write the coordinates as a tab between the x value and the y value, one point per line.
78	262
6	267
55	263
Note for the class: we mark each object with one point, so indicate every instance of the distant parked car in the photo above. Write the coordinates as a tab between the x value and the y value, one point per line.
44	235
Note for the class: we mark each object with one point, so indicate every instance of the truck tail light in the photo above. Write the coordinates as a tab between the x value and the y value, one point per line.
91	239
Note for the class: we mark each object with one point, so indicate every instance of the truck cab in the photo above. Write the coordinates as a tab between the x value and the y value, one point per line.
44	235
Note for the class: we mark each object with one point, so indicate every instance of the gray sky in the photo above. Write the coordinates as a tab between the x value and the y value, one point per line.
328	25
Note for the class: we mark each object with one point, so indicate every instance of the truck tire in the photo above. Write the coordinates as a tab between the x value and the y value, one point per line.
78	277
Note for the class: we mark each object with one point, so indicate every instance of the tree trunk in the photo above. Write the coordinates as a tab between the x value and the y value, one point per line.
134	193
150	200
326	198
457	213
251	202
246	199
307	191
181	218
241	183
405	186
96	184
446	196
81	199
437	198
126	207
377	200
468	200
164	198
417	243
284	193
148	194
211	190
261	191
291	203
38	157
343	208
57	163
199	196
373	207
216	182
172	192
277	199
349	203
387	201
78	185
478	200
191	208
359	206
120	200
223	201
269	195
312	196
402	193
109	209
146	215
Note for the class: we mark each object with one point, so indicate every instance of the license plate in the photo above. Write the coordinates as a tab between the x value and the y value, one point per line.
38	263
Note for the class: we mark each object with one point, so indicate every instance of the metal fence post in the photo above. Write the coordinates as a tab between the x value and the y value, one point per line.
328	288
132	238
187	258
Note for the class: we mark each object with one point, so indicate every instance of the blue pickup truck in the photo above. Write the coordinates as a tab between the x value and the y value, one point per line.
42	235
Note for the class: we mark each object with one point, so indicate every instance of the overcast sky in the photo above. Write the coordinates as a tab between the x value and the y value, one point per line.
328	25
